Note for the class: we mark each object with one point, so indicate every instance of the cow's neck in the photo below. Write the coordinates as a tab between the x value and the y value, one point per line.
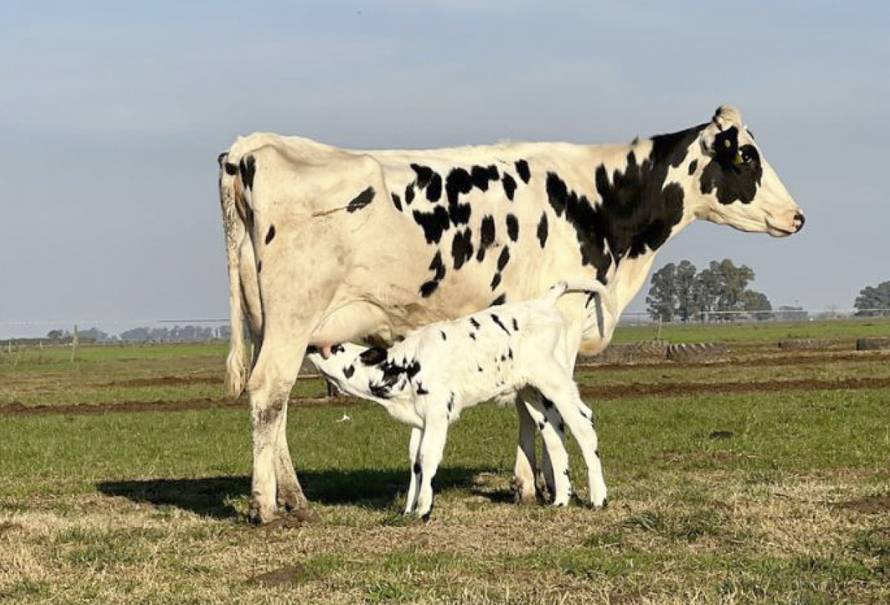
645	202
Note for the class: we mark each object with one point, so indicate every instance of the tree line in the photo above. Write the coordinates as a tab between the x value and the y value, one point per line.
144	334
680	292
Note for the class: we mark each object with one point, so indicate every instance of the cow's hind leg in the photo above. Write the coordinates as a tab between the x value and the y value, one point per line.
290	493
269	387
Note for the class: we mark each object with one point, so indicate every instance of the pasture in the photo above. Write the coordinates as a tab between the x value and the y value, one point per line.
124	477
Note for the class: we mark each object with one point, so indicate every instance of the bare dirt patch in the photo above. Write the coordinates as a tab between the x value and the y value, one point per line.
290	575
675	389
161	381
8	526
871	505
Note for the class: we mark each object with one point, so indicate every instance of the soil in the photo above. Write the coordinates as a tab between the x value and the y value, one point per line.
869	504
290	575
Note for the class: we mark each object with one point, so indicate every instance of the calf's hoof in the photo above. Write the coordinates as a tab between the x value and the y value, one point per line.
523	494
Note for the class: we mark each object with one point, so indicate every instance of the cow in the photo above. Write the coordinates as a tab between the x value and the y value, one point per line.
329	245
439	370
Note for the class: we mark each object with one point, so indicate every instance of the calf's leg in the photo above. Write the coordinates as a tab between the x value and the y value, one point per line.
524	470
414	461
432	446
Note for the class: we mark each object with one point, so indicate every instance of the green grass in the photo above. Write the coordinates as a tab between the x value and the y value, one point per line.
729	498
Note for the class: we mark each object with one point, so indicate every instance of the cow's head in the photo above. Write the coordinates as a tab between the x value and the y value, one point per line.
735	183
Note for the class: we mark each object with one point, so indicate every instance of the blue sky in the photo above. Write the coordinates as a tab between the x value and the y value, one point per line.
113	114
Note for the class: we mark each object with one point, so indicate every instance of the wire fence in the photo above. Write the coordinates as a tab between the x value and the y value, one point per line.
199	329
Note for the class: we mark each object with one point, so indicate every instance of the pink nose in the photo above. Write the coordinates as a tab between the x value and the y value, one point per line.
799	220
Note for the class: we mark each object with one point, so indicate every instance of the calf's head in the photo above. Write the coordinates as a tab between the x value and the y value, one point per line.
734	183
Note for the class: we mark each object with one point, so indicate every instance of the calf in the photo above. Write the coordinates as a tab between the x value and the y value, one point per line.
427	379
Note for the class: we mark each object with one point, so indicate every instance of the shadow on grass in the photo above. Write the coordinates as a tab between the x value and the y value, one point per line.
214	496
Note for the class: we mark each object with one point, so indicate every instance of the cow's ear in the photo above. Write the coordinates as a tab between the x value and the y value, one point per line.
725	117
373	356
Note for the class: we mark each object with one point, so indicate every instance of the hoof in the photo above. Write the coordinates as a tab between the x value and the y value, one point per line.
258	516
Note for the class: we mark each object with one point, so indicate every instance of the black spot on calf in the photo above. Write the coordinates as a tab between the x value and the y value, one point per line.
499	300
500	324
348	371
495	281
361	200
270	234
692	167
396	202
474	323
373	356
522	170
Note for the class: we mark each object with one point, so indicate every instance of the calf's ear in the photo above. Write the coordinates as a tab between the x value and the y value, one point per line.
373	356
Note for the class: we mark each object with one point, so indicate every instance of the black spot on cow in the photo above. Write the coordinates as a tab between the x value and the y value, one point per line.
417	469
434	190
495	281
409	193
734	171
481	175
231	169
421	390
503	358
438	266
428	287
424	174
451	402
462	247
522	170
361	200
348	371
474	323
693	165
541	425
499	300
500	324
473	335
637	210
515	325
270	234
248	170
259	267
373	356
512	227
396	202
457	183
486	236
443	335
547	403
562	428
479	368
510	353
433	223
504	258
542	229
509	186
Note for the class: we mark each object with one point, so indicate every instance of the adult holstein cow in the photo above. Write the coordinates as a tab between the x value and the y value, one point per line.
328	245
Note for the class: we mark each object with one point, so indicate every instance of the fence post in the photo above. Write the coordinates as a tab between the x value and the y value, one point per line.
74	340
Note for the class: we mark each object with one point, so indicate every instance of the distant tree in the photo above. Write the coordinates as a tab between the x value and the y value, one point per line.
56	334
706	291
684	280
871	298
662	298
757	303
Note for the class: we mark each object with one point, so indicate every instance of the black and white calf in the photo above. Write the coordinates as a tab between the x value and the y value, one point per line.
427	379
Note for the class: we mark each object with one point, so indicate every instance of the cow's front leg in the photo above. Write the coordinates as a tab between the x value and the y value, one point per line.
524	470
432	446
413	460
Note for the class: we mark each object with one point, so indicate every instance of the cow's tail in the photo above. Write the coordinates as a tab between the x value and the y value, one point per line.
237	370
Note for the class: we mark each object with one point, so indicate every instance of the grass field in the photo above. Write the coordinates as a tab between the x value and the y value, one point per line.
760	480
